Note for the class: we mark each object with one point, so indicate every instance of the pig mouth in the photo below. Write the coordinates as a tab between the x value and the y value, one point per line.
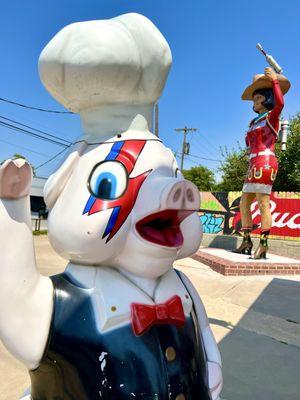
163	228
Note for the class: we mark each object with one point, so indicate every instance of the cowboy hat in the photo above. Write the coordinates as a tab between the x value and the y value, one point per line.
260	81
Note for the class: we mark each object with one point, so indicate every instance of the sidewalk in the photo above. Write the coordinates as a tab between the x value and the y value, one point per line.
256	321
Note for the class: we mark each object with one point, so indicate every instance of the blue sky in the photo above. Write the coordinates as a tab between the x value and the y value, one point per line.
214	59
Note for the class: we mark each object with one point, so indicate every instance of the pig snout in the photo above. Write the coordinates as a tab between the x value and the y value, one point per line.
183	195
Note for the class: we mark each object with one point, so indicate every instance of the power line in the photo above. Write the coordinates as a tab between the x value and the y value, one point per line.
31	120
197	163
192	161
34	129
176	154
206	147
204	158
26	132
24	148
209	143
34	108
52	158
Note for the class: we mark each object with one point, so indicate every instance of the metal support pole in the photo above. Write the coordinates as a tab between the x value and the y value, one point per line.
284	133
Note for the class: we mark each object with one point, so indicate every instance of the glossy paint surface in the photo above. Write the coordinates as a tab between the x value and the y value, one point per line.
82	363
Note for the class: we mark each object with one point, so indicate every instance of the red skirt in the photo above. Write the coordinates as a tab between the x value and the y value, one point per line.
261	174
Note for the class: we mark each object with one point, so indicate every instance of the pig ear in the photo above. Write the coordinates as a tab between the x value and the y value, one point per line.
57	181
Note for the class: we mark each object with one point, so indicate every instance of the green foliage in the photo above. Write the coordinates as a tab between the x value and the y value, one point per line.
233	168
15	156
201	176
39	233
288	177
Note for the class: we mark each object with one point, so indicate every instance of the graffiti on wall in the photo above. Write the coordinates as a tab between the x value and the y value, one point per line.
220	214
212	223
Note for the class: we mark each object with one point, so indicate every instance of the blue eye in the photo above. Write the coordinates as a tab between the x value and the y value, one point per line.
108	180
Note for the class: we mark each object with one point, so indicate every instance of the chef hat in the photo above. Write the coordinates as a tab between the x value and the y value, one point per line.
124	60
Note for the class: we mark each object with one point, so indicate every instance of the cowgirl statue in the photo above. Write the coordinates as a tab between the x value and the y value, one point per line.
266	92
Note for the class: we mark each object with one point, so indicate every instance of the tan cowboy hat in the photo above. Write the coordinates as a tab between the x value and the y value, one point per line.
260	81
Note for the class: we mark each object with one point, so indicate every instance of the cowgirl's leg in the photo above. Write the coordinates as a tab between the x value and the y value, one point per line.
266	224
245	209
265	212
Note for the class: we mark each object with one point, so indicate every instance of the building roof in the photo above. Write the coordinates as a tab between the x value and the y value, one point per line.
37	186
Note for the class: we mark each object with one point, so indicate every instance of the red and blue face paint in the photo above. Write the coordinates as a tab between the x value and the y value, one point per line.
126	153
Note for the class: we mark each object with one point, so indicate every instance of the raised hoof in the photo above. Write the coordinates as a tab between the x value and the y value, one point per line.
15	179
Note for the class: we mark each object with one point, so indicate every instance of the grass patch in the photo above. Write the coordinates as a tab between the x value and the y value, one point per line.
41	232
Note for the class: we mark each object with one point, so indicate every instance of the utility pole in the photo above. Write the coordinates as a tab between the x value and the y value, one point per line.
156	119
185	144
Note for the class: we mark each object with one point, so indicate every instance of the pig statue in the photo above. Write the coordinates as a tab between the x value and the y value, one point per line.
120	322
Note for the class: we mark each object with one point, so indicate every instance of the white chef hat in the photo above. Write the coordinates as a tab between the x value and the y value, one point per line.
124	60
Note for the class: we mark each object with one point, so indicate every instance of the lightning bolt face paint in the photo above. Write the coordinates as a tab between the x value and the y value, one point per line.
111	186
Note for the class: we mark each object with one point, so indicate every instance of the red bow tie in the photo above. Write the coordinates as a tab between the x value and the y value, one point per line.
143	316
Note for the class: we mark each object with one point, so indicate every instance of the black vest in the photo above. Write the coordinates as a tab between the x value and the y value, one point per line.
80	363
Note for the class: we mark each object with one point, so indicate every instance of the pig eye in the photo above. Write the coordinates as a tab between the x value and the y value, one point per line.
108	180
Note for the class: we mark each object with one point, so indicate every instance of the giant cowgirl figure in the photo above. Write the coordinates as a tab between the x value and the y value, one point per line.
266	92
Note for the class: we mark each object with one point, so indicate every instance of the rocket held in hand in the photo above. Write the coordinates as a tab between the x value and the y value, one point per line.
271	61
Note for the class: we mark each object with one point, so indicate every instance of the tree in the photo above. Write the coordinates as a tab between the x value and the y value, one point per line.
288	177
233	168
16	155
201	176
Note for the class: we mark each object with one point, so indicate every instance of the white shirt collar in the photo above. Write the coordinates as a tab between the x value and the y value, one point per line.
112	293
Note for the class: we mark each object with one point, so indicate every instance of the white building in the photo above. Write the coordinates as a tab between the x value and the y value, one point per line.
38	206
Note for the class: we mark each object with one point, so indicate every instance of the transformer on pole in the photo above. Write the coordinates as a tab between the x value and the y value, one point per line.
185	144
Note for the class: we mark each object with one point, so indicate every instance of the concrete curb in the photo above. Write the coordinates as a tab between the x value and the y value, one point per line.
227	267
286	248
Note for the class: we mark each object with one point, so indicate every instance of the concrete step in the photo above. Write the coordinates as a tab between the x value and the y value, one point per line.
228	263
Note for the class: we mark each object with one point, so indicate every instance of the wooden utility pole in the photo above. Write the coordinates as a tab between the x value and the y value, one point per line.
185	144
156	119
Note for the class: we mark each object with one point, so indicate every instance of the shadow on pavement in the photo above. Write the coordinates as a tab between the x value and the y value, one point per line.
224	242
261	354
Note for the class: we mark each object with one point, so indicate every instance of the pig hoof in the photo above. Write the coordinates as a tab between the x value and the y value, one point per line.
15	179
